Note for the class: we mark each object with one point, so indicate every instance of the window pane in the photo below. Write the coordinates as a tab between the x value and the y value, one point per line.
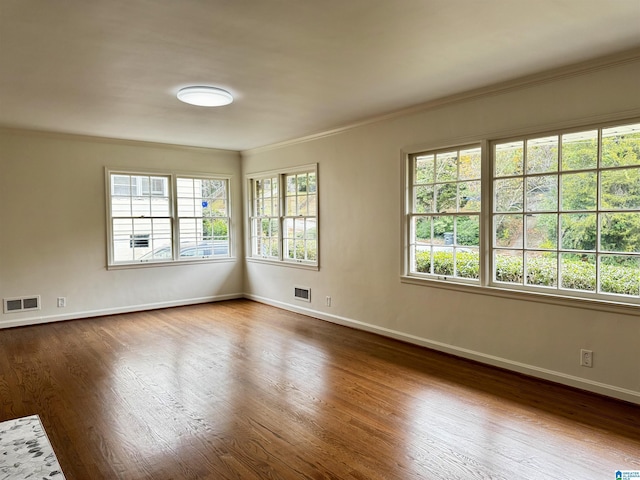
469	196
446	166
508	266
542	193
541	269
468	263
620	232
621	146
542	155
580	150
424	169
578	231
422	260
508	195
160	207
443	261
542	231
578	271
508	230
620	274
468	230
620	189
313	186
579	191
120	206
446	197
470	163
508	159
423	199
443	230
421	229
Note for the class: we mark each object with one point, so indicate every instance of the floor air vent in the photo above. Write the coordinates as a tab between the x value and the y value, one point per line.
302	293
21	304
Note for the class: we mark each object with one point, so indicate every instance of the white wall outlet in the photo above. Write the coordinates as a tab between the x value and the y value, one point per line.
586	358
328	301
62	302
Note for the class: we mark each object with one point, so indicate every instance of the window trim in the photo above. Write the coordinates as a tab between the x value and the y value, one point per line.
173	217
485	286
250	205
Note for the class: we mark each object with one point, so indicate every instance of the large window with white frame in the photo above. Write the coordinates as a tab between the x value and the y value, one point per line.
159	218
561	214
284	216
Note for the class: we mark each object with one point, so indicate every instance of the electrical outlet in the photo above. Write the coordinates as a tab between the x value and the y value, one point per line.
586	358
62	302
328	301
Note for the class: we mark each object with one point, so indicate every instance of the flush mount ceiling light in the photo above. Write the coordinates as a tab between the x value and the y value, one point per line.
205	96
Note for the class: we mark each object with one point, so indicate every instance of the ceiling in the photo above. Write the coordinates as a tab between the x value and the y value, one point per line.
296	67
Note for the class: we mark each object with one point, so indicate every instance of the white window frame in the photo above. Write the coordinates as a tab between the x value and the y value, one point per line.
486	285
280	218
202	252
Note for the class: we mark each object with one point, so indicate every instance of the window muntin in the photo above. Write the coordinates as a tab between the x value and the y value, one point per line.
151	219
445	212
566	212
284	216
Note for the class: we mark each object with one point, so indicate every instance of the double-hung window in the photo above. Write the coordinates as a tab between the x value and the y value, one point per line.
284	216
561	214
166	218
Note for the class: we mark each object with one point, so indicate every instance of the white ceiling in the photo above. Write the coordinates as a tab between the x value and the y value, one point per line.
296	67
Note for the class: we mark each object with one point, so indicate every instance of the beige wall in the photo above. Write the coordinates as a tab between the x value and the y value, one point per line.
53	227
361	246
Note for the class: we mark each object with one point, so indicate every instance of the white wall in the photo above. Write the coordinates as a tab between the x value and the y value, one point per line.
360	191
53	227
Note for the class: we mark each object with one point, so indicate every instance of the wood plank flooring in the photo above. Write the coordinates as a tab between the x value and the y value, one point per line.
240	390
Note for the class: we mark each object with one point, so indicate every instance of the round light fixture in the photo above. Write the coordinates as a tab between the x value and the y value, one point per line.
204	96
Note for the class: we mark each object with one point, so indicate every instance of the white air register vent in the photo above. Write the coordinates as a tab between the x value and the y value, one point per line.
20	304
302	293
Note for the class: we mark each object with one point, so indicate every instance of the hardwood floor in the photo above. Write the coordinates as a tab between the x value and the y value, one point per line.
240	390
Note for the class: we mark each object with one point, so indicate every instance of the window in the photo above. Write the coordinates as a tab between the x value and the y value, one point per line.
562	214
284	216
164	218
445	213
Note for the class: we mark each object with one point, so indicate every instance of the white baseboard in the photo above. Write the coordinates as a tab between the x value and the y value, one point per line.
114	311
531	370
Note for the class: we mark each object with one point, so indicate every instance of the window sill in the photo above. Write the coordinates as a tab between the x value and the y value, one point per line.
539	297
127	266
283	263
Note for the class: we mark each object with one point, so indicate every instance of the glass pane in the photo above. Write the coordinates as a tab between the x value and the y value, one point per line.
185	187
542	231
470	162
290	206
542	155
508	230
311	205
443	230
290	249
303	203
422	230
578	271
621	146
141	206
508	266
446	166
423	199
508	195
580	150
468	230
541	269
620	189
422	260
579	191
443	261
446	197
620	232
160	207
468	263
310	230
291	184
424	169
120	206
620	274
542	193
508	159
312	250
578	231
469	196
